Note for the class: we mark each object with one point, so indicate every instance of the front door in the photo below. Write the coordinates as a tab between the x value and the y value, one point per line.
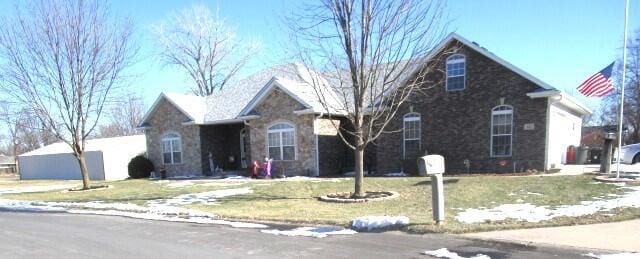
244	148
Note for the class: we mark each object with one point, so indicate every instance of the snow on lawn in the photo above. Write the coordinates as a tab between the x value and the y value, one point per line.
156	210
37	188
445	253
378	222
532	213
27	206
180	184
201	197
615	256
198	218
310	179
396	174
317	232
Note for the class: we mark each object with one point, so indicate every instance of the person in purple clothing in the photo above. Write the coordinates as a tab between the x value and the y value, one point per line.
266	168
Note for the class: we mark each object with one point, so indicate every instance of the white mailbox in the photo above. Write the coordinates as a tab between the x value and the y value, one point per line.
431	164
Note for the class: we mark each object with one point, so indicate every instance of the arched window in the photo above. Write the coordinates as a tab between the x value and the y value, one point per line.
455	72
411	135
501	130
281	143
171	148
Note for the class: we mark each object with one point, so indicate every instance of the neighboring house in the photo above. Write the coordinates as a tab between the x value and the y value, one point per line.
275	113
484	115
106	158
7	164
593	136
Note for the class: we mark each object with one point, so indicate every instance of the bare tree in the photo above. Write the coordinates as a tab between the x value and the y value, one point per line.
61	60
204	46
372	54
610	106
124	117
24	132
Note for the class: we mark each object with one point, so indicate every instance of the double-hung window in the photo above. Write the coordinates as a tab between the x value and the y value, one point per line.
281	142
501	130
411	135
455	67
171	149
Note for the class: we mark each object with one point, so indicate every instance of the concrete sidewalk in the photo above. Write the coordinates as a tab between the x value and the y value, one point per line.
618	236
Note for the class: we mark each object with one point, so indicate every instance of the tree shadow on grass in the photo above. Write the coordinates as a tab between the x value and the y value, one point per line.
428	182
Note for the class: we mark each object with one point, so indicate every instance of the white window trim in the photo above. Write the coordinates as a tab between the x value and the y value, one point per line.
405	119
169	139
464	75
494	112
280	131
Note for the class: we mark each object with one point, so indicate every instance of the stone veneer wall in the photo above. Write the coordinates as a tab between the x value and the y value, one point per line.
279	107
457	124
167	119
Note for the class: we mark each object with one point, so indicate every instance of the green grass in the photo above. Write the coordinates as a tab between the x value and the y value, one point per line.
296	201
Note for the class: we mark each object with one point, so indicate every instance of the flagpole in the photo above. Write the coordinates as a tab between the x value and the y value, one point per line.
624	70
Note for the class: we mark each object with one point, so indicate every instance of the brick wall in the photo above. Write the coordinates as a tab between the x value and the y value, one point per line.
169	119
457	124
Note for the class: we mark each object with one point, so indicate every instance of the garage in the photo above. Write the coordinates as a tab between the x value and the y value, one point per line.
107	159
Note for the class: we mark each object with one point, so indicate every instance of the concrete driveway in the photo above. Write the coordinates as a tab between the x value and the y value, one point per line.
61	235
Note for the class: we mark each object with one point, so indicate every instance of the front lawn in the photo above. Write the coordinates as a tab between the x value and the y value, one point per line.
296	201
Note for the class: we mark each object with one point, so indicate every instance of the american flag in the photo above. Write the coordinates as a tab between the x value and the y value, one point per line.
599	84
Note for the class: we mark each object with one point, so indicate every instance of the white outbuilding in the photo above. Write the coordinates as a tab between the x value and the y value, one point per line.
107	159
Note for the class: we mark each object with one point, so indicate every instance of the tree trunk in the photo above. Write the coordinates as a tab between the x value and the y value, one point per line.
83	170
359	157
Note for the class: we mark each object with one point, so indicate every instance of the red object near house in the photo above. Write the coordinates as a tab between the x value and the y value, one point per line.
255	169
571	155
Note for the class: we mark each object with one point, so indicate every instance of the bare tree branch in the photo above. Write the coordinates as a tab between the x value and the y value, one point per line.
372	57
204	46
61	60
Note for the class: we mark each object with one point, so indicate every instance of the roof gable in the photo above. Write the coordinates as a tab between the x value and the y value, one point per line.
192	106
273	84
474	46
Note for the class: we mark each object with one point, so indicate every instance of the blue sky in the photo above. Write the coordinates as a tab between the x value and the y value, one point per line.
560	42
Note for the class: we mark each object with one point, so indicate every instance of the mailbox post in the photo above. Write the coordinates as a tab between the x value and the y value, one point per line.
433	166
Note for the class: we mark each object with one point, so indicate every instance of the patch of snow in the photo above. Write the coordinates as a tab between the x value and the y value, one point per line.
352	173
445	253
27	206
154	216
396	174
511	194
236	177
219	184
157	210
36	188
310	179
615	256
534	193
317	232
532	213
202	197
376	222
180	184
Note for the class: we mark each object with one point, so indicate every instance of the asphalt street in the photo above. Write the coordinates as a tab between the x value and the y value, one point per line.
62	235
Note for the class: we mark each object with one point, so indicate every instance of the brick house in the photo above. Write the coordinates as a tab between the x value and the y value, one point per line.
275	113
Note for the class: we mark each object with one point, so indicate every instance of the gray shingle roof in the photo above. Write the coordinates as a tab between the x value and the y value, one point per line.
235	100
227	103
